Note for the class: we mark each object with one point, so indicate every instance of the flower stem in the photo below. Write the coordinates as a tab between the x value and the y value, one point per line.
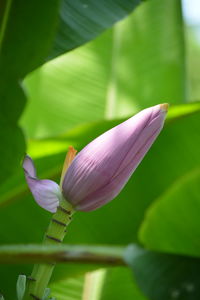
55	234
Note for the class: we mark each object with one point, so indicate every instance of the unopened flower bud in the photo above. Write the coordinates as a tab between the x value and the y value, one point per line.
100	171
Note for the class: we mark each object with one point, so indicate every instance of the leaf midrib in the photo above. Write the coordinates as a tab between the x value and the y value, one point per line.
4	22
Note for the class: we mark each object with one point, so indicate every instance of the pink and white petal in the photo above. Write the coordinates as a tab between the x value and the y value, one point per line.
46	193
29	167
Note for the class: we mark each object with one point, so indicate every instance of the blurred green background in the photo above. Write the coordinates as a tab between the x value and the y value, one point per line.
67	74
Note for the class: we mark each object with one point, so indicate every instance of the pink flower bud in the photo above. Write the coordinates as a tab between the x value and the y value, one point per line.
100	171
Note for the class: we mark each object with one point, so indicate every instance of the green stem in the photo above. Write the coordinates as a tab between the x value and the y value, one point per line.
55	234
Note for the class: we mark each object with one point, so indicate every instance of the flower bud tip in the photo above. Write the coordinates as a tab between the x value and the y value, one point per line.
164	107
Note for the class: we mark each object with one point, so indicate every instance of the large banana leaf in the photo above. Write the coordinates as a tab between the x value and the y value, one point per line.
104	284
22	48
28	32
82	20
172	224
138	63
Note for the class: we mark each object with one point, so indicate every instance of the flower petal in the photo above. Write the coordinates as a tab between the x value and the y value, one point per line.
28	166
68	160
46	192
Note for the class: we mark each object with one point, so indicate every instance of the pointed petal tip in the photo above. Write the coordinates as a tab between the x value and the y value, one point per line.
68	160
25	158
164	107
28	166
72	149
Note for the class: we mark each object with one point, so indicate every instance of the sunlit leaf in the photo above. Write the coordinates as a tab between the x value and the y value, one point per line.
111	284
138	63
28	46
103	284
68	289
172	223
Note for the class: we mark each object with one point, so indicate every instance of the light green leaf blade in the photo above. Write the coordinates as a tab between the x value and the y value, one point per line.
193	59
68	289
138	63
111	283
83	134
103	284
172	222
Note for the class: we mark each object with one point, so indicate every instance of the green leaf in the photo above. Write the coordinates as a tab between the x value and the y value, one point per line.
33	44
111	283
21	50
172	223
12	147
165	276
1	297
103	284
81	135
68	289
113	76
193	59
178	111
21	286
27	47
81	21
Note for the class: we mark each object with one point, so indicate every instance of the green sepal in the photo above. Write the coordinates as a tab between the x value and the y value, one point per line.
21	287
